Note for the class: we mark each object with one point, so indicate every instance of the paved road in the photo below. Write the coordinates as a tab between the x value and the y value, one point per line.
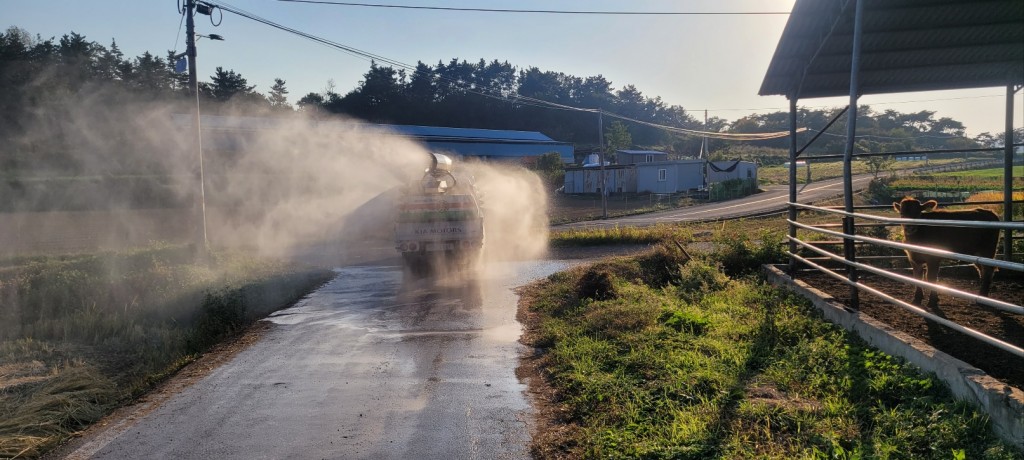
773	199
369	366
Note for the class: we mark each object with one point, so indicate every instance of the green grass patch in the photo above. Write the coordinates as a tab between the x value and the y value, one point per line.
82	334
771	175
700	358
984	174
618	235
955	183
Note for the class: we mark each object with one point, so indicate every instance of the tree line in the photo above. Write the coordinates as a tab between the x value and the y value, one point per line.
43	76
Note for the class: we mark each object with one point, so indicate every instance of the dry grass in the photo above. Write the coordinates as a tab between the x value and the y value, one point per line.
81	335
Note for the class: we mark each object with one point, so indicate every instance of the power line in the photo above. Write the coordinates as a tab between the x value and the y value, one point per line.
875	136
589	12
519	99
710	134
872	104
515	99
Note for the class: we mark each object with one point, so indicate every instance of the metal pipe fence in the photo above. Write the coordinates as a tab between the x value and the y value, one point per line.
997	304
917	310
1016	226
854	264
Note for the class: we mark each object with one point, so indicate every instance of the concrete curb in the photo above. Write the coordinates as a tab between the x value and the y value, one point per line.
1003	403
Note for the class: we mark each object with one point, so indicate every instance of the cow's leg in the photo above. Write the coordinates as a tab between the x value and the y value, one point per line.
985	272
932	275
918	270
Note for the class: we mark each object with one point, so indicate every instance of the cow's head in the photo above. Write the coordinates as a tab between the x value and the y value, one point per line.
910	208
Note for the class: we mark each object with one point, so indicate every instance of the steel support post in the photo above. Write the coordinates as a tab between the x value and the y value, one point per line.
849	249
1008	175
792	182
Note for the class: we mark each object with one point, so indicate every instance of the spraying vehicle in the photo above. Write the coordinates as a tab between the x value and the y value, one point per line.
439	224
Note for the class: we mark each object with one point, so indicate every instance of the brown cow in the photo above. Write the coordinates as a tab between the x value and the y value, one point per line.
963	240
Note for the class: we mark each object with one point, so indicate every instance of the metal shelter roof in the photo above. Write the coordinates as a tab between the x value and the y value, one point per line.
643	152
907	45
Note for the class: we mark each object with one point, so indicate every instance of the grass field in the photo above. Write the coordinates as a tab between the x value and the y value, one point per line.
774	175
83	334
955	184
661	356
984	174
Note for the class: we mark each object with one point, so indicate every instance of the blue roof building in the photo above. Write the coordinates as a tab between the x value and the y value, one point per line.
226	132
489	144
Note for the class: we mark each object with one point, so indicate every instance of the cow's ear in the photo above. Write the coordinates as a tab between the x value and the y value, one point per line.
929	205
896	205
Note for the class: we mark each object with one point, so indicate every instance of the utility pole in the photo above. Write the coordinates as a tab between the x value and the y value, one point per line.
600	143
705	151
199	219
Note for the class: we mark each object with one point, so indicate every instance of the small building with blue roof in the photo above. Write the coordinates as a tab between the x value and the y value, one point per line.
229	132
488	144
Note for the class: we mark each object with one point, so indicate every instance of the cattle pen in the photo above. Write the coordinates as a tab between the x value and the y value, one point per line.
858	47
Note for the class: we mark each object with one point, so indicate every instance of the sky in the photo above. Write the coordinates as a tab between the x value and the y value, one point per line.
700	62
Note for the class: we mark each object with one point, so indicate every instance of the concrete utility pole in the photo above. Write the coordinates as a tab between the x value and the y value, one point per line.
705	152
199	220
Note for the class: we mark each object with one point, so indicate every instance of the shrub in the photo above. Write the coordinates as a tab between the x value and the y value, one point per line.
699	277
660	267
740	256
879	190
221	314
596	284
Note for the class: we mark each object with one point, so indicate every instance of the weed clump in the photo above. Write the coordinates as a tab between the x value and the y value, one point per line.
700	277
740	256
661	266
685	321
596	284
220	315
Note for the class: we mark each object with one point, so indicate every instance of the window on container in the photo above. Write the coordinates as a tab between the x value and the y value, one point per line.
662	175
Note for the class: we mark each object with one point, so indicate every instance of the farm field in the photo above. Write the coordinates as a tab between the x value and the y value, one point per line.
955	184
772	175
984	174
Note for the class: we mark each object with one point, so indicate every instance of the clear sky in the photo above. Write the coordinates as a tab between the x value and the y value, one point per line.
697	62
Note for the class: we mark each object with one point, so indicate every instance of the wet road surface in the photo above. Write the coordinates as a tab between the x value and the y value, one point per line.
369	366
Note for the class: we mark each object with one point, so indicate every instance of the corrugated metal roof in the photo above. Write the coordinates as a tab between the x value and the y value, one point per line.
907	45
429	132
642	152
